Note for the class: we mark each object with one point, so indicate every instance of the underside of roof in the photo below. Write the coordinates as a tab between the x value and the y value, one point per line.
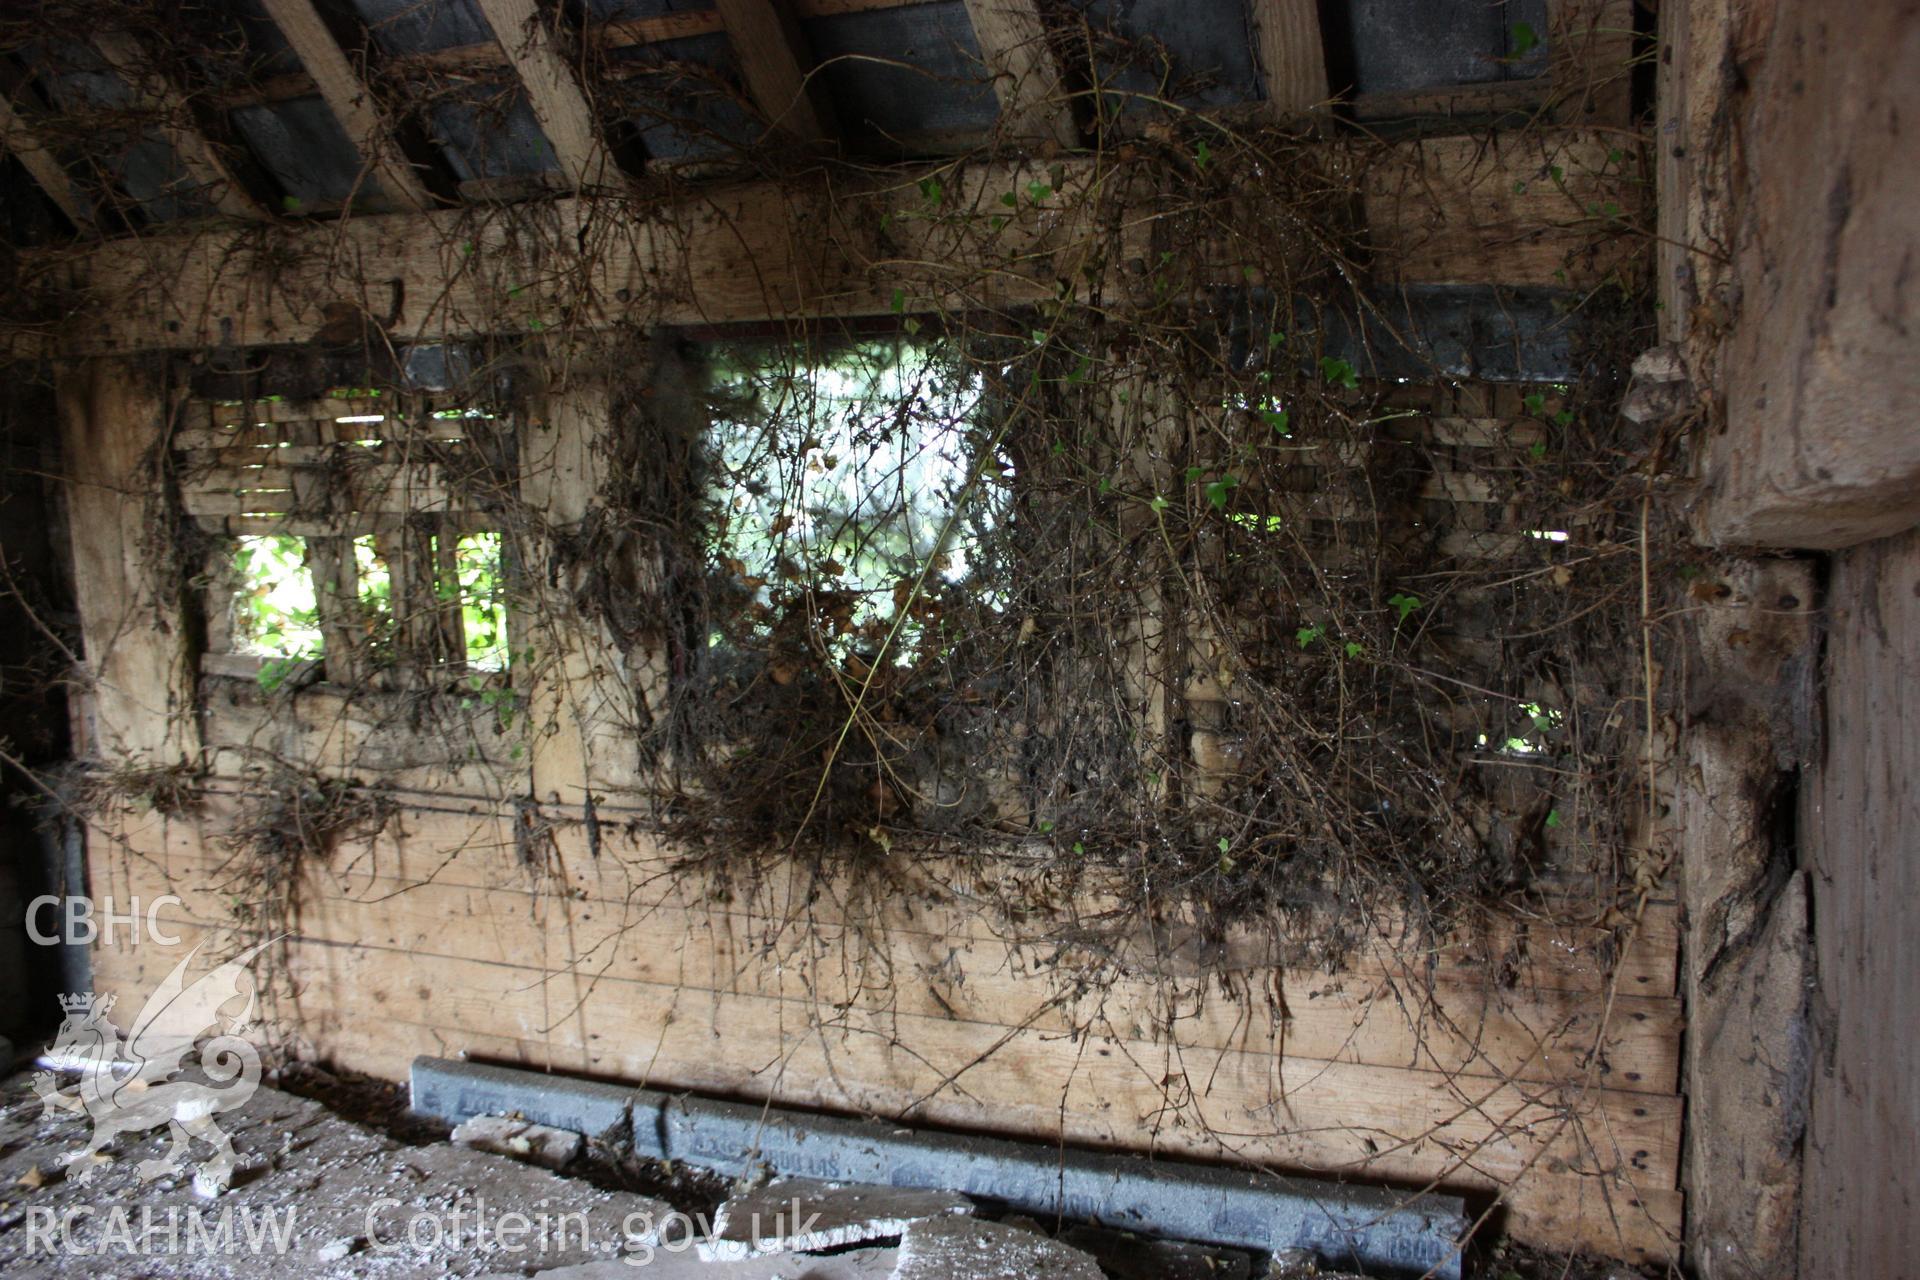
143	113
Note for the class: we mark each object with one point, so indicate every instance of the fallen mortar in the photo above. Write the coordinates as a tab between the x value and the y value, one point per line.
1362	1229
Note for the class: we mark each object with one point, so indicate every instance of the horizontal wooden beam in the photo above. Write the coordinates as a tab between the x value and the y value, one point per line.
1525	209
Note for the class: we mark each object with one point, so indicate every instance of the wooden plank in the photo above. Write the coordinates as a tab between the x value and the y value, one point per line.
1498	207
1034	101
1590	54
553	91
350	99
774	61
24	143
1865	808
1471	433
1340	1117
474	847
203	162
1104	1093
1293	59
1437	211
139	678
1543	1037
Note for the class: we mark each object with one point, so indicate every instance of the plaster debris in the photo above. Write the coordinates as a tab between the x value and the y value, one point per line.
337	1250
804	1215
335	1182
964	1248
539	1144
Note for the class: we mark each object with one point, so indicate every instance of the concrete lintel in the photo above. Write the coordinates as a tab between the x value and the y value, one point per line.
1354	1227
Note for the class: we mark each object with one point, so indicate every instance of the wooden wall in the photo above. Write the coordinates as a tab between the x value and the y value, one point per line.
1533	1068
475	922
1863	834
1470	1066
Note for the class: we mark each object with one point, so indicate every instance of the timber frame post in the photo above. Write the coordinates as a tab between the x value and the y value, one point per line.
139	701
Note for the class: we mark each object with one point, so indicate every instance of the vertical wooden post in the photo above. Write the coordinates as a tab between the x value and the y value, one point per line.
113	423
582	704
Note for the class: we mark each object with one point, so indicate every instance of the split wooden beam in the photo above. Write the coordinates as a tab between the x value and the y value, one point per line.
554	91
350	99
1293	58
26	145
1027	79
1506	209
203	162
774	62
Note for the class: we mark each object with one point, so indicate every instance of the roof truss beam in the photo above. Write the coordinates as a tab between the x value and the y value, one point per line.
554	92
37	158
351	100
1026	72
774	62
203	162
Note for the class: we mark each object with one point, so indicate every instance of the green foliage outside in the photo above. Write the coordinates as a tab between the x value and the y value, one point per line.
838	476
275	613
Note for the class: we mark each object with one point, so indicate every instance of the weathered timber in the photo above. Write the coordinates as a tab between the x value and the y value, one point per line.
1484	210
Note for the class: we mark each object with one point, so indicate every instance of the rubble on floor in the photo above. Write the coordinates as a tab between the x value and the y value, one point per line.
803	1216
309	1189
540	1144
968	1249
355	1203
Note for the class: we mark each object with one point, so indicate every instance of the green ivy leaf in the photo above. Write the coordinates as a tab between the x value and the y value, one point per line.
1339	372
1406	604
1307	635
1525	39
1220	490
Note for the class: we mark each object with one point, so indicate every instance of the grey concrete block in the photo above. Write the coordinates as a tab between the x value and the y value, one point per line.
1358	1228
458	1091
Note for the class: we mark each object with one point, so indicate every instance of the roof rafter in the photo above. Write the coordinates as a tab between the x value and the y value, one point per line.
196	154
37	158
774	61
349	98
1293	58
1026	73
553	91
